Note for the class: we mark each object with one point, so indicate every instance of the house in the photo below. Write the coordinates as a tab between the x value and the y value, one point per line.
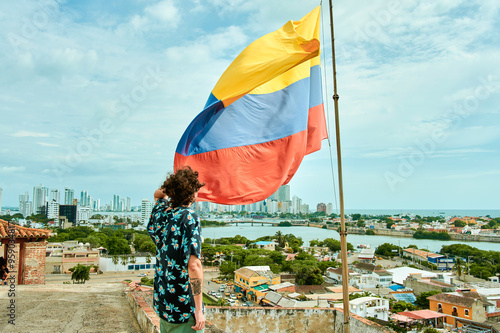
400	274
253	281
423	317
266	245
336	274
466	304
371	276
283	287
27	247
369	307
419	285
367	255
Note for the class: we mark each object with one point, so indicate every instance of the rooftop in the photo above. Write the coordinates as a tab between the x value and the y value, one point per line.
22	232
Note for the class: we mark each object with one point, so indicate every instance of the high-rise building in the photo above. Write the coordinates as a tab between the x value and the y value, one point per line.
40	198
283	193
116	203
83	214
329	209
69	195
0	200
53	211
296	205
55	195
96	205
69	212
128	204
146	208
25	206
85	199
305	208
321	207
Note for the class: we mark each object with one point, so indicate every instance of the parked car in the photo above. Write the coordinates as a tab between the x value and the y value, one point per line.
233	296
142	274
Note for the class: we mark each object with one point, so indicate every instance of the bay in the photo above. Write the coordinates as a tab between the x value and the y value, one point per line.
310	233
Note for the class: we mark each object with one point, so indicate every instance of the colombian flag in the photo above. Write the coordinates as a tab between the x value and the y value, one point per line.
264	114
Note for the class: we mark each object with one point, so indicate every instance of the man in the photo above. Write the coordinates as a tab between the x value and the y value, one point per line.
175	229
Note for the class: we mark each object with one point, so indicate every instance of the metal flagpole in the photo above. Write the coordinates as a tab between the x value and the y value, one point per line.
343	232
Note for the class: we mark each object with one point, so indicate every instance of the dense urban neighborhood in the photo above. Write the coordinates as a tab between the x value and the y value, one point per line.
405	288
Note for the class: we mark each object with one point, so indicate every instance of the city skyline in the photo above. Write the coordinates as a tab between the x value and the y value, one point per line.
96	95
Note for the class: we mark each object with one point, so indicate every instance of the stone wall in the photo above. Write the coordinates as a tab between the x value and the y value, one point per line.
34	262
290	320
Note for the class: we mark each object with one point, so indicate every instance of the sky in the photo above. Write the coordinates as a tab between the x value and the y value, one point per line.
95	95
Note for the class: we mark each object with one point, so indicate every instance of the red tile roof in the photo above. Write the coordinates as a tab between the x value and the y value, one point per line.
22	232
422	314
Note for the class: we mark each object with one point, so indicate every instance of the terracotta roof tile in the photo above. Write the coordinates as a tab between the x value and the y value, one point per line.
22	232
463	301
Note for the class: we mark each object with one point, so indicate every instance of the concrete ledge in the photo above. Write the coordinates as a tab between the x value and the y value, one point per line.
290	320
145	315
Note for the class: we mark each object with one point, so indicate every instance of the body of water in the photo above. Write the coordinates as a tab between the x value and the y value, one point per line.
310	233
428	212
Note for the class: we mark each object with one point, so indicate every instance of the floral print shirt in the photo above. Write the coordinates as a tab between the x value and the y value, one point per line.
177	235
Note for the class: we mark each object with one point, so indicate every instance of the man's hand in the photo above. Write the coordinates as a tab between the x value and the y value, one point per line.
159	194
200	321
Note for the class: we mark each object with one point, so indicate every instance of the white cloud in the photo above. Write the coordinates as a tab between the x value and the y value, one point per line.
22	134
164	11
11	169
47	144
399	75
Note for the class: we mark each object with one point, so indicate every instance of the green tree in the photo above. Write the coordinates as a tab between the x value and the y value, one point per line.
422	300
226	270
148	258
115	261
80	273
118	246
280	238
124	260
459	267
459	223
388	249
430	330
401	306
308	275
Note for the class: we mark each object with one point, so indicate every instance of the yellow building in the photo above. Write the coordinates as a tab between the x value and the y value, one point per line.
253	281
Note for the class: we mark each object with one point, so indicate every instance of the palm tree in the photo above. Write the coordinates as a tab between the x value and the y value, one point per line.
459	267
124	261
115	261
280	239
80	273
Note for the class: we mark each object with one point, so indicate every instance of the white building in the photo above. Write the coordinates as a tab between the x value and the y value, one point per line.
146	208
25	205
83	214
329	209
296	204
69	195
53	211
40	198
55	195
370	307
141	263
370	277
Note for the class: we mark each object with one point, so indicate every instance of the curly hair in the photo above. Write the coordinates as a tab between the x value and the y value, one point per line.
181	187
